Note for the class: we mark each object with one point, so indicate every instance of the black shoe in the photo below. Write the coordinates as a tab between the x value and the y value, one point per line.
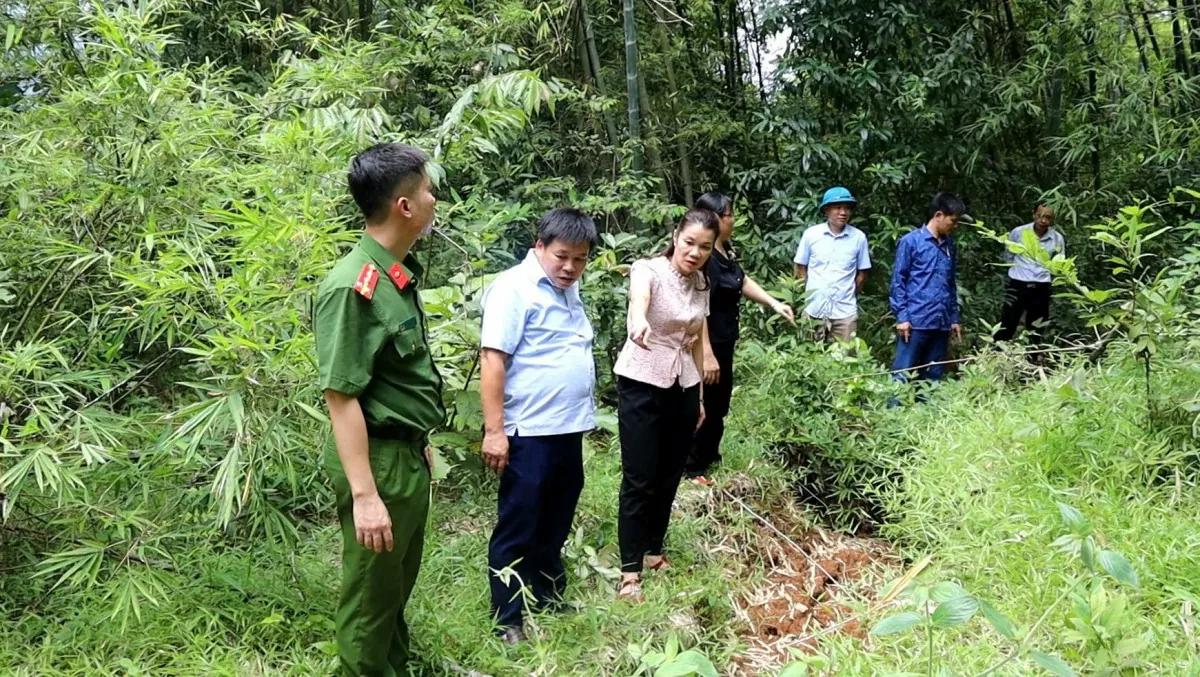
513	636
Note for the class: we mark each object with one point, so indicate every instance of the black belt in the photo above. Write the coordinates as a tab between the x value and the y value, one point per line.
396	433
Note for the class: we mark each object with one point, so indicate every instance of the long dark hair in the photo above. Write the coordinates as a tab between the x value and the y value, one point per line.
697	216
718	203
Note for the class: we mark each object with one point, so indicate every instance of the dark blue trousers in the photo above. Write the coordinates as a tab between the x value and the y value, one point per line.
922	347
539	489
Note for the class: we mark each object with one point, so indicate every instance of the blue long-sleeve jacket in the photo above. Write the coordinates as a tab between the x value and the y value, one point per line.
924	281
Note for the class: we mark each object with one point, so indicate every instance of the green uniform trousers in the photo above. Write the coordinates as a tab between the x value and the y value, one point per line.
372	636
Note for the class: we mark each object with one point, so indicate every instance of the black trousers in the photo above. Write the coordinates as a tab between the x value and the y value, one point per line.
656	426
539	490
706	449
1031	299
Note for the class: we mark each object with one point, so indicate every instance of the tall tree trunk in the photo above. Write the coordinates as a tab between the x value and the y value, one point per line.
1093	64
585	118
652	147
757	42
585	63
366	19
1014	36
593	59
685	167
725	53
631	84
735	51
1181	60
1193	19
1150	31
1049	165
1137	39
1145	60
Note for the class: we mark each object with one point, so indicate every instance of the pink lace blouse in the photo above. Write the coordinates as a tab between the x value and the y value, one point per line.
676	316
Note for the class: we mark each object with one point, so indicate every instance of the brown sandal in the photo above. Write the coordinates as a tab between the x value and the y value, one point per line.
630	589
661	565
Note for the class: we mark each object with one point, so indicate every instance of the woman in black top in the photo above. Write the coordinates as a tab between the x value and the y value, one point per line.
729	284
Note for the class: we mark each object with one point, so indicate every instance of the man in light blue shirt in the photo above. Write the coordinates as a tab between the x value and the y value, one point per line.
537	377
1028	290
833	259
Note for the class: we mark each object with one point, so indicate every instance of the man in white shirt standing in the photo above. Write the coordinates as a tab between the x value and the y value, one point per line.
1028	291
536	378
833	260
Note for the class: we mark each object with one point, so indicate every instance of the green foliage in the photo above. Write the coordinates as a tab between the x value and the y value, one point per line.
670	662
172	190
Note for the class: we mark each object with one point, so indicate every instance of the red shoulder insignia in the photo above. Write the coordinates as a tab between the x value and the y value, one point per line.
396	272
367	278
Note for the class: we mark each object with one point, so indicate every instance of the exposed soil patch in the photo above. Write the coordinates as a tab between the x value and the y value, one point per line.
806	582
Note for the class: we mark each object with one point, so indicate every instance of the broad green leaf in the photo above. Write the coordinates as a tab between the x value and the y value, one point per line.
945	591
697	662
675	669
1115	565
672	646
654	658
1130	646
1074	519
1052	664
897	623
998	620
955	612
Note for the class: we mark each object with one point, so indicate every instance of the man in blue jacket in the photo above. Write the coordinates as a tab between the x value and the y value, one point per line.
924	291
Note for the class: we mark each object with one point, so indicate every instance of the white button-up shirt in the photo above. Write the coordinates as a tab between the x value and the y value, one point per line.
1025	269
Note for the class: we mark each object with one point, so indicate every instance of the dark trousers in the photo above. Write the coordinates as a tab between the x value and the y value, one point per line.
539	489
706	449
1031	299
656	426
922	347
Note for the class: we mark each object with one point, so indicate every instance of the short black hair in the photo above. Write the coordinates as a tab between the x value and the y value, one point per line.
568	225
378	173
946	203
717	203
1041	203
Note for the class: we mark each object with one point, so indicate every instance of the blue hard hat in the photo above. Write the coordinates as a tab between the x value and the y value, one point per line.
835	195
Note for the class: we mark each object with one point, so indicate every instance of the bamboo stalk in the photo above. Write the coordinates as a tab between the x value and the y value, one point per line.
685	167
631	84
593	59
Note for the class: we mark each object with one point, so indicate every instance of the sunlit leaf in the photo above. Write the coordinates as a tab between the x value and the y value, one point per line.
898	623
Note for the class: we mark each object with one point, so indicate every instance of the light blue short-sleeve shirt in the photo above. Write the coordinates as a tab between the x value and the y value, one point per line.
550	374
833	263
1025	269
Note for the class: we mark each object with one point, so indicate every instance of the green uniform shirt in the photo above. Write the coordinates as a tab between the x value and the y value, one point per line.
376	349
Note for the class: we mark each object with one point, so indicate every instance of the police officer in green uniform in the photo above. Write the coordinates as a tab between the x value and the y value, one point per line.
384	395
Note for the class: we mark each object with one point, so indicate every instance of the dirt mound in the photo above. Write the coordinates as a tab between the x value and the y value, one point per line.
805	580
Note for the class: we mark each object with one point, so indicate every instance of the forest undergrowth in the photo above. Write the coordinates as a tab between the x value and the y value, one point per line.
760	582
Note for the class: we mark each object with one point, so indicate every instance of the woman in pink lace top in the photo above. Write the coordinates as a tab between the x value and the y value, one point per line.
659	387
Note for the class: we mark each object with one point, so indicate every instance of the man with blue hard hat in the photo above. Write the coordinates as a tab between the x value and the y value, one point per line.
833	260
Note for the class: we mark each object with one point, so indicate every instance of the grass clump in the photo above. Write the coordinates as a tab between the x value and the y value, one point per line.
981	491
